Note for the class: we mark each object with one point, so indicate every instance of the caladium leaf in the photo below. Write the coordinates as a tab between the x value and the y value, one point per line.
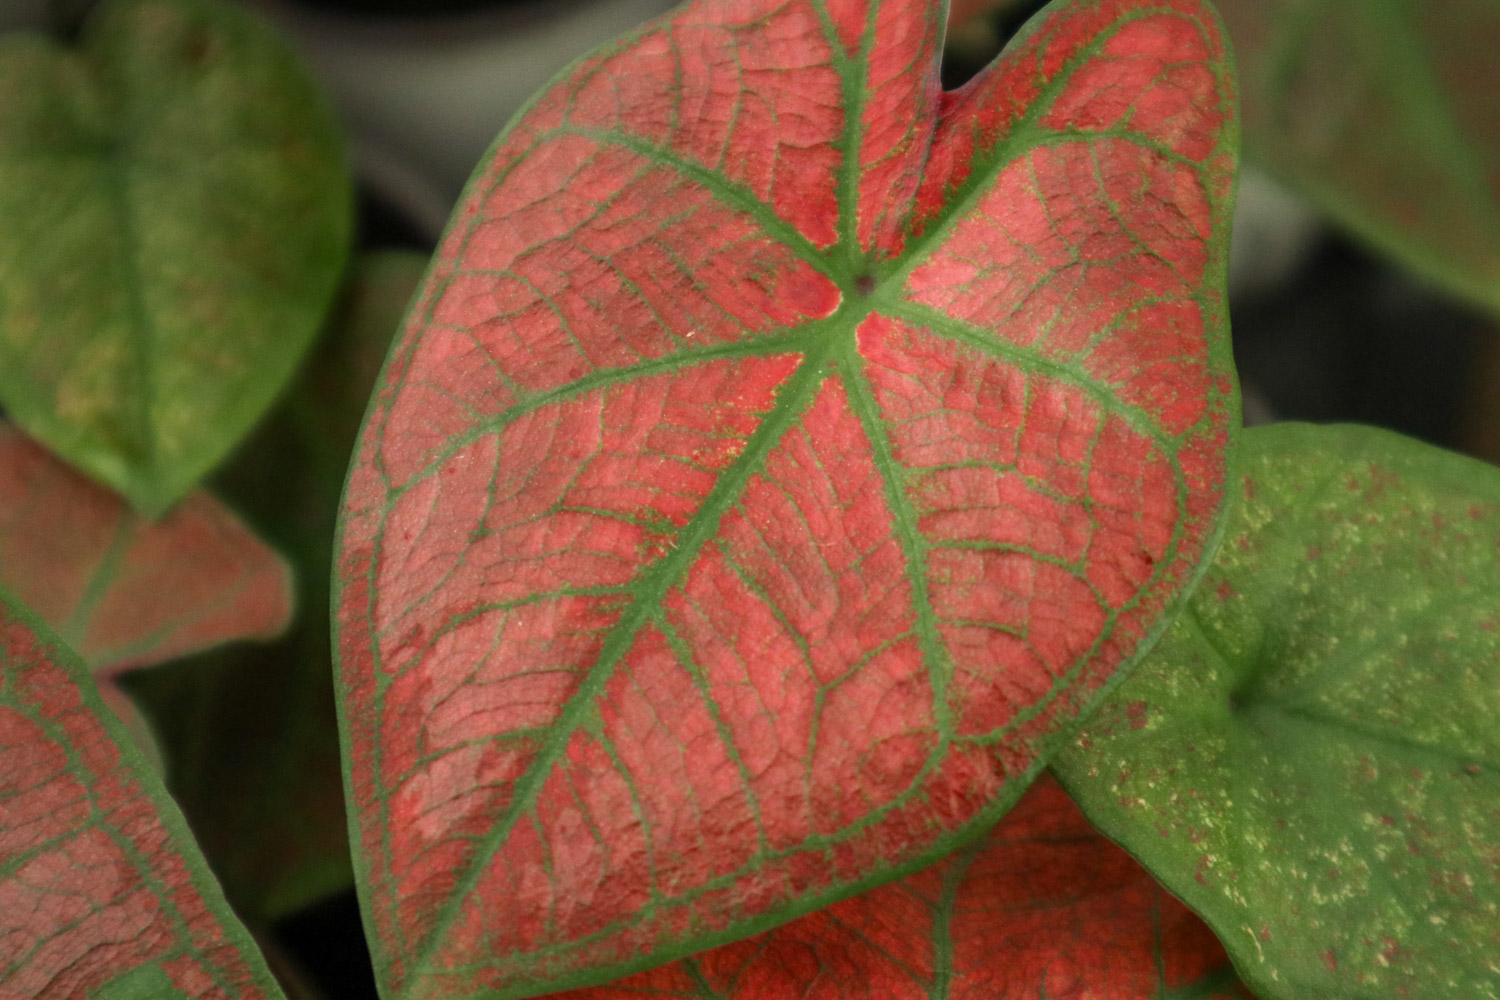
1310	758
122	591
781	456
176	212
1043	906
1388	117
102	893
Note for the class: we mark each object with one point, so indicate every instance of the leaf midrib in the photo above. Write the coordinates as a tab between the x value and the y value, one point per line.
116	169
651	589
1393	740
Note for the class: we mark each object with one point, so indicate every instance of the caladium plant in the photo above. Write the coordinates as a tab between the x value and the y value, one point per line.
781	463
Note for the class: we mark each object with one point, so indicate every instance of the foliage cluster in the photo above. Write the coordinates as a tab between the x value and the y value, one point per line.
801	542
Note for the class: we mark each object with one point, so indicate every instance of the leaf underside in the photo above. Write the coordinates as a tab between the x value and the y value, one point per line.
1043	906
1387	116
1309	757
121	591
102	893
780	457
176	213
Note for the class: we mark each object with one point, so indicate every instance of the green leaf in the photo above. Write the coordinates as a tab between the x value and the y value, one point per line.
102	892
1387	115
176	213
1311	757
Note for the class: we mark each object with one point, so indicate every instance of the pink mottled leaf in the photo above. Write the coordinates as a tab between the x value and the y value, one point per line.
102	892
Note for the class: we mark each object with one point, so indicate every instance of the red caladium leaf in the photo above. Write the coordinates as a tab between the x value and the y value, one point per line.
121	590
781	456
1043	907
102	893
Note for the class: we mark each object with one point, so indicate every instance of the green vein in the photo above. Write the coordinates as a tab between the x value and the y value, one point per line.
684	653
728	193
100	580
140	322
649	592
942	920
637	809
904	520
852	73
1024	136
800	342
1031	362
705	989
1363	732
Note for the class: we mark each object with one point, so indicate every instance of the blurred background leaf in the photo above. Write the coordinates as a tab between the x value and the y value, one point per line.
176	215
122	591
1387	116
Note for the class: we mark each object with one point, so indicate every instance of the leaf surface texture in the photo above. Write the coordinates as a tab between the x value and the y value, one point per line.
1042	907
102	892
1310	757
781	455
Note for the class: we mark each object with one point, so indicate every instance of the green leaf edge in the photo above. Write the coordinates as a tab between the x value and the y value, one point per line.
170	817
1376	227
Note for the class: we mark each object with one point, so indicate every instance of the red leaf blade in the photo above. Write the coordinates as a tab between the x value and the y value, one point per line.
738	524
99	882
1044	906
123	591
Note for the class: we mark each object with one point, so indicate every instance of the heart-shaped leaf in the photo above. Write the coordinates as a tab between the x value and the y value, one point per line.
102	893
780	458
122	591
1310	757
1388	116
1043	906
176	211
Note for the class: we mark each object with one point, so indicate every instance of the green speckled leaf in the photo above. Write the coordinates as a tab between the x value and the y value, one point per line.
174	217
1311	757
